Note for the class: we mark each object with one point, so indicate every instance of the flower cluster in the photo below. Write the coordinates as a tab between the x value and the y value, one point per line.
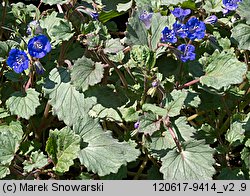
192	29
230	5
38	47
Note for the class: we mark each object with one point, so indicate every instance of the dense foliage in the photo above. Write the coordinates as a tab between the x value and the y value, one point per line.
125	89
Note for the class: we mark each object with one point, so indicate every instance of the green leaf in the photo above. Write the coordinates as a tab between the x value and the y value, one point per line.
182	129
37	160
224	70
213	6
10	138
149	124
241	33
177	101
155	109
4	171
136	31
113	46
173	2
245	156
98	111
243	10
63	147
62	31
121	174
235	135
86	73
3	50
101	153
231	174
123	7
195	162
54	2
57	28
193	99
158	23
64	98
3	113
23	104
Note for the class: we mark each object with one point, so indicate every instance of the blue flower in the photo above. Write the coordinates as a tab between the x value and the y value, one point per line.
231	4
180	13
196	28
154	84
39	46
146	17
187	52
38	67
18	60
168	36
94	15
136	125
211	19
180	29
34	26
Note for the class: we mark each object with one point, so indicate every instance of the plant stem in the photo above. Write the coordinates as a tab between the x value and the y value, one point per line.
3	19
177	142
142	166
188	84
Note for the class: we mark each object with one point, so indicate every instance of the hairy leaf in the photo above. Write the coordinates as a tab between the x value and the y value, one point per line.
86	73
101	153
241	33
23	104
64	98
195	162
37	160
243	10
224	70
63	147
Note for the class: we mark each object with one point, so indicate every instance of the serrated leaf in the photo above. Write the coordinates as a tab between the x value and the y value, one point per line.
86	73
174	106
149	124
98	111
4	171
245	156
182	129
23	104
63	147
195	162
37	160
113	46
231	174
57	28
62	31
155	109
10	138
235	135
136	31
243	10
158	23
64	98
3	113
101	153
224	70
241	33
123	7
173	2
54	2
213	6
193	99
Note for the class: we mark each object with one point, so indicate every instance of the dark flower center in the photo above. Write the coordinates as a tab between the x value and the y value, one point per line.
38	45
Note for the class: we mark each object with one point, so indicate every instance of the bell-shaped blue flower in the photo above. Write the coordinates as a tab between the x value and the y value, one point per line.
231	4
180	29
168	36
39	46
35	27
187	52
180	13
195	28
146	17
211	19
136	125
18	60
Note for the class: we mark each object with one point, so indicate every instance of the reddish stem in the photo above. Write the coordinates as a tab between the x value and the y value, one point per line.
189	84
